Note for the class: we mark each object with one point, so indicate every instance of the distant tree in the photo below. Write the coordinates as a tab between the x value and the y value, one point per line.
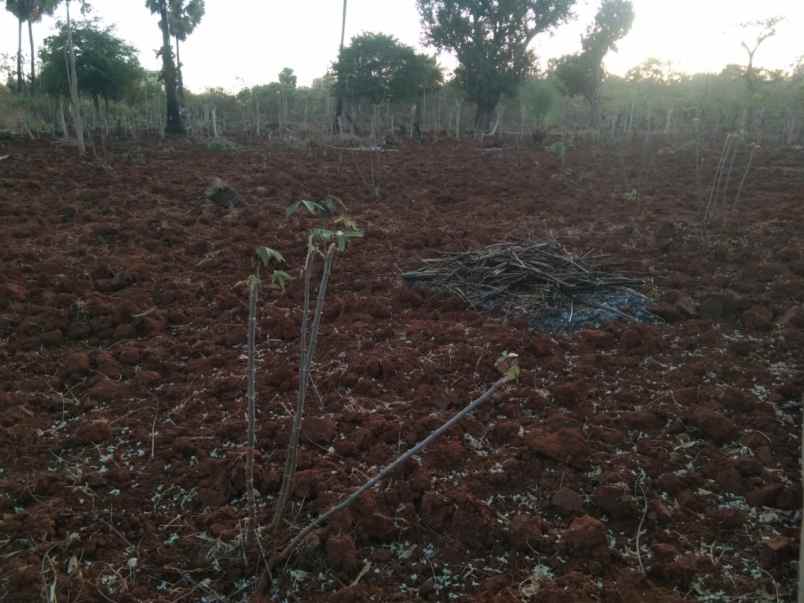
377	68
184	17
797	90
762	29
287	90
582	74
7	70
19	9
173	122
40	9
287	79
540	101
72	75
326	82
418	73
339	92
490	39
30	11
107	67
651	69
148	87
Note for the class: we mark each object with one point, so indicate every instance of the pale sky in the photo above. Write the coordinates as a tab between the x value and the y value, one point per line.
248	41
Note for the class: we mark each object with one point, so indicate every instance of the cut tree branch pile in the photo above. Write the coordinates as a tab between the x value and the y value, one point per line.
524	278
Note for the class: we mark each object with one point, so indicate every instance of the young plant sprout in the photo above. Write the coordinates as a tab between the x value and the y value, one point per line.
333	241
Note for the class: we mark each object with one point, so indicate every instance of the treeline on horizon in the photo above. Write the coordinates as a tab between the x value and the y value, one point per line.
376	85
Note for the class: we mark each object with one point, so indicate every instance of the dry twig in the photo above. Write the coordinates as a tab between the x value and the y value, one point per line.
351	498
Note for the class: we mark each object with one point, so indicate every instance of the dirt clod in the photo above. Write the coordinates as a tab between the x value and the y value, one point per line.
95	432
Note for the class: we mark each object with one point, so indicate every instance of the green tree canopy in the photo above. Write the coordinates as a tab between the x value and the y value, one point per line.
490	39
288	79
107	67
582	74
30	11
377	68
652	70
540	100
184	16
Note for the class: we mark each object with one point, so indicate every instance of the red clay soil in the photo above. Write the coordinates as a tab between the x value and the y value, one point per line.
629	464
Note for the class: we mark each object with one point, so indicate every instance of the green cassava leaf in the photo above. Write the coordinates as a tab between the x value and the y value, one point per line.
266	255
314	208
279	279
321	234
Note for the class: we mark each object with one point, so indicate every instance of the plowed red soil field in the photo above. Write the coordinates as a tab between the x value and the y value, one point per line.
629	463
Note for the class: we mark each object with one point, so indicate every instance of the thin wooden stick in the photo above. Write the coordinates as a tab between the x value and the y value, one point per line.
745	176
350	499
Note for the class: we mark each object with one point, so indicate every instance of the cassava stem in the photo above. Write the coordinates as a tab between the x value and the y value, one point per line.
251	394
308	345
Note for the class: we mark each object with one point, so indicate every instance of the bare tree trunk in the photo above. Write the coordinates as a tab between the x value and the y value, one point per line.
594	110
522	120
173	123
416	114
421	119
107	122
63	122
19	58
630	125
72	74
33	57
338	90
258	123
179	75
500	113
214	123
483	117
375	111
750	83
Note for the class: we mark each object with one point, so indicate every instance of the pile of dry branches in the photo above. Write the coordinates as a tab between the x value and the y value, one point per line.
523	277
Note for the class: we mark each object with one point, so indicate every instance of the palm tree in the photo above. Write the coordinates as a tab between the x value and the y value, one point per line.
28	11
72	72
173	122
338	90
18	9
184	17
38	8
